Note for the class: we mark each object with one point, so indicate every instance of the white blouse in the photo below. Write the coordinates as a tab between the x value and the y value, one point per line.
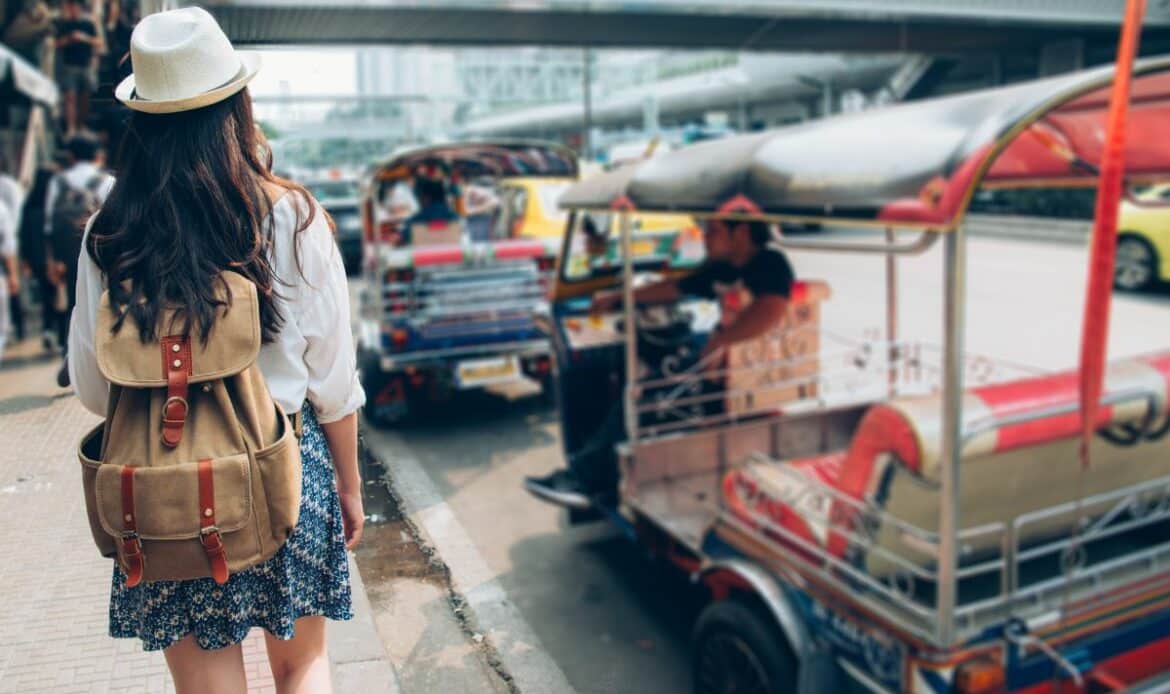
311	359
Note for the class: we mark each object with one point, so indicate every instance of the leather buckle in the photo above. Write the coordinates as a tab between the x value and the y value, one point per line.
213	547
131	541
210	538
134	556
167	407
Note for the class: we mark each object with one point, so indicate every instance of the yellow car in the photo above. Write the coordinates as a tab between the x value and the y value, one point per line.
528	208
1143	240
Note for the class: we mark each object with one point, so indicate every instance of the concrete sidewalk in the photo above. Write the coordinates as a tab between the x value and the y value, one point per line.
53	626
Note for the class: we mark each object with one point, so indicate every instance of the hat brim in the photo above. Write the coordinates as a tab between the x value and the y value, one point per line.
250	65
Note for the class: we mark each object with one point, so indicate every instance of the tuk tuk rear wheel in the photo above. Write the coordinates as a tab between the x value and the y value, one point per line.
379	412
736	648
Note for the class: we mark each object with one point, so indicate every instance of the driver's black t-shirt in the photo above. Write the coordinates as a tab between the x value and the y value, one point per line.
767	273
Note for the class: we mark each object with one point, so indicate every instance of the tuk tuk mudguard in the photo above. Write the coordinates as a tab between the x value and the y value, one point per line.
816	672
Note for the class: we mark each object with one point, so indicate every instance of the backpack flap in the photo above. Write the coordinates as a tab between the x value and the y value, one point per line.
165	500
233	345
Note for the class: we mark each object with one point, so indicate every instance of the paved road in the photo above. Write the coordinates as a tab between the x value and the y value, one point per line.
609	620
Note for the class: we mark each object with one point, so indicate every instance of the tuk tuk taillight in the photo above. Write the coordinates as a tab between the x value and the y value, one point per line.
980	676
406	275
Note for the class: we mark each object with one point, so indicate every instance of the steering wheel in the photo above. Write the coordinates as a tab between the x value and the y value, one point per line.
664	336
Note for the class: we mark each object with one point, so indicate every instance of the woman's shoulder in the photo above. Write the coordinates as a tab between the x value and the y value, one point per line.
298	221
293	209
274	191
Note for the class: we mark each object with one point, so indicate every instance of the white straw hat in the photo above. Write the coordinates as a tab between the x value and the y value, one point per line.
183	61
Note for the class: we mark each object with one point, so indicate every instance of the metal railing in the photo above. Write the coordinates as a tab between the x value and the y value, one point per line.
843	371
474	297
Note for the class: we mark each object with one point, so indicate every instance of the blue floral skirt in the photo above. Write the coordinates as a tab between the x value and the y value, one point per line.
308	576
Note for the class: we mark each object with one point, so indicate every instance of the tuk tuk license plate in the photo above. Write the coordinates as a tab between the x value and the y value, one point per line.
482	372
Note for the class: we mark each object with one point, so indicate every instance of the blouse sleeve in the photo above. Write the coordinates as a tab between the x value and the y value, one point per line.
324	320
91	387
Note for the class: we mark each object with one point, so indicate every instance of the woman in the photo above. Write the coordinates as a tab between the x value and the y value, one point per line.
195	196
32	254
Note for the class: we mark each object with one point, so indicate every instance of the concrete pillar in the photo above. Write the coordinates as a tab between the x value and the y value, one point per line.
152	6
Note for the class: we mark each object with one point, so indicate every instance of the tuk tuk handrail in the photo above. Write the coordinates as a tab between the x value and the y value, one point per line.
903	526
823	377
992	423
925	240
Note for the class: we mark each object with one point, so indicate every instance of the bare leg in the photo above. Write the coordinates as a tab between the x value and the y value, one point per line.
82	108
196	671
301	665
70	111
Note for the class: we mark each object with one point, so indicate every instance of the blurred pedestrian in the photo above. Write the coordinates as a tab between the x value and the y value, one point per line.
480	205
195	197
79	45
11	192
12	198
25	31
73	196
120	21
33	254
9	275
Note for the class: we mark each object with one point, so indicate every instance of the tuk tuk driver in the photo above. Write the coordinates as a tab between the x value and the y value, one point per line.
432	206
740	256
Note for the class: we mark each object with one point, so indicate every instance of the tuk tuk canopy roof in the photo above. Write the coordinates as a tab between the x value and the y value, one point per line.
910	165
498	159
20	80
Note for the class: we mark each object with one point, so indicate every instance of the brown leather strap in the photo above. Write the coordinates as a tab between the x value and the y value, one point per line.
208	532
176	356
131	544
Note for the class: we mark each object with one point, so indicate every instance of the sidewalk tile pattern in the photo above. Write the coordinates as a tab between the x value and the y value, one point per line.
53	620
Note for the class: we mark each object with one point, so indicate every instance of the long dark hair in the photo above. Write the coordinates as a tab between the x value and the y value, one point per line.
189	203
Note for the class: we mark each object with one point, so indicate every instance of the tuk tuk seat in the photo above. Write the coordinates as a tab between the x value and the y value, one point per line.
892	464
436	233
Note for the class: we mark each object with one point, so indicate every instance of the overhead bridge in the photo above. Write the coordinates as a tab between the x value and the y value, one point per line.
921	26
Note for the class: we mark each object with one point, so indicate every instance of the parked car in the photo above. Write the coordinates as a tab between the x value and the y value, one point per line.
1143	241
528	208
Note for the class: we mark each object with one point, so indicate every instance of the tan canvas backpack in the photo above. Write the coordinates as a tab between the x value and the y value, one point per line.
196	471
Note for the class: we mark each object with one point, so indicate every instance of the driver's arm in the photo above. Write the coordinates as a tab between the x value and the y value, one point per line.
764	314
662	292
